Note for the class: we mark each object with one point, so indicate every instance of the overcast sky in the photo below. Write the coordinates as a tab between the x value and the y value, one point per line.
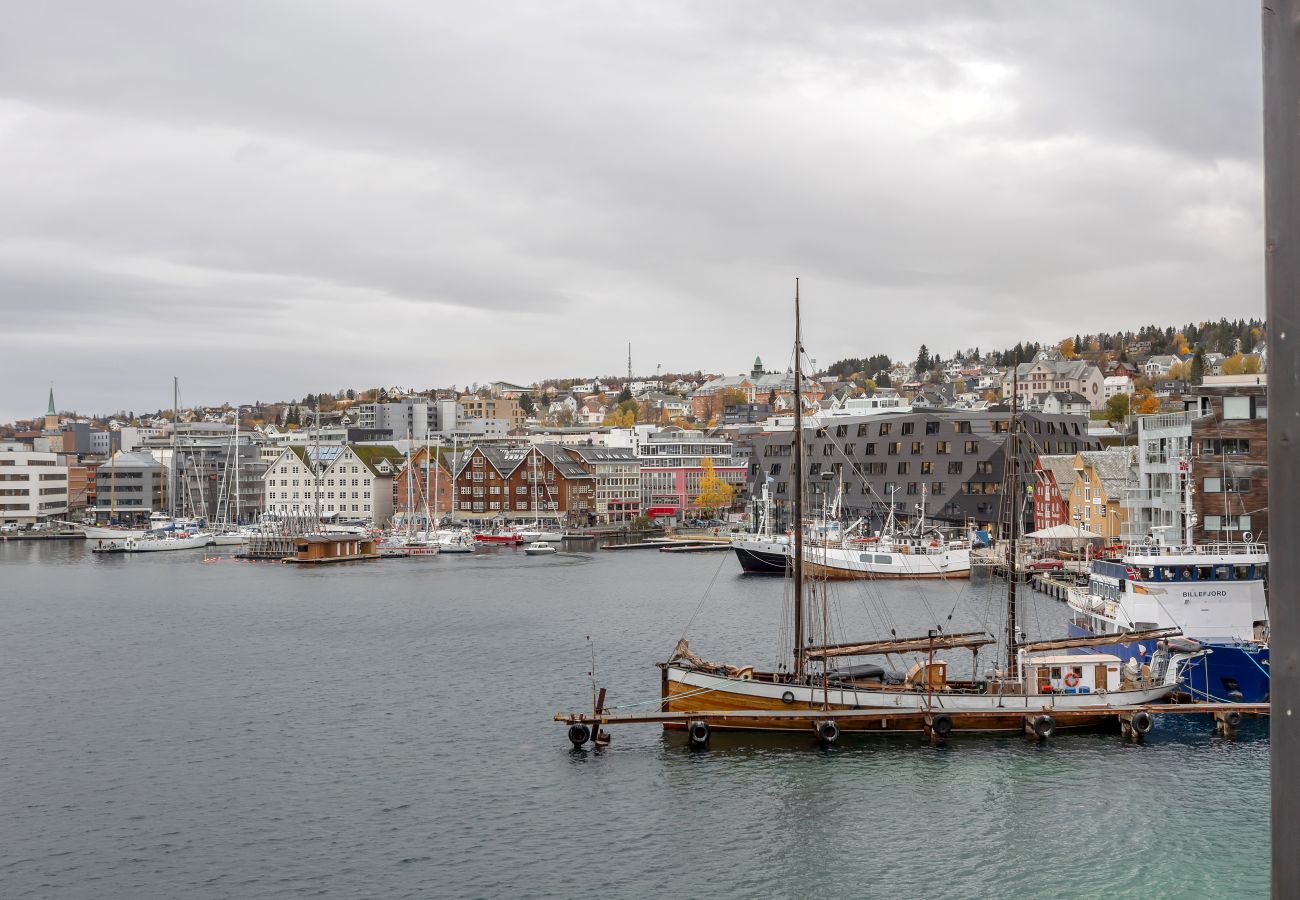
270	198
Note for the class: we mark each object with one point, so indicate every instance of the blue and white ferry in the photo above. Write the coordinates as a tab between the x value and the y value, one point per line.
1214	593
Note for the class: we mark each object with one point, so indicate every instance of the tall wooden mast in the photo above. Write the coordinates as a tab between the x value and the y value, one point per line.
798	489
1011	486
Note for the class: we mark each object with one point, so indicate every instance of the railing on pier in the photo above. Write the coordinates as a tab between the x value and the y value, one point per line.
1225	548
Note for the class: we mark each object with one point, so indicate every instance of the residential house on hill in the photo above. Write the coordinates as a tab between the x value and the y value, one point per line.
1048	372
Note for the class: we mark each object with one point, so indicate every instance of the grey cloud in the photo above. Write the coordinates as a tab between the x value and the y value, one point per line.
514	190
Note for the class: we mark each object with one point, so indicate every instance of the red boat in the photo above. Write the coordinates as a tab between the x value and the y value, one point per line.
499	538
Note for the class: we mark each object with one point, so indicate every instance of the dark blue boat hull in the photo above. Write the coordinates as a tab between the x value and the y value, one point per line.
1231	672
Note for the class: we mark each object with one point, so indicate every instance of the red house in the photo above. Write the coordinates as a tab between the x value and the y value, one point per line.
1054	479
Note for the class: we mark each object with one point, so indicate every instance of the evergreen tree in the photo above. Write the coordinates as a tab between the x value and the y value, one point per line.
923	361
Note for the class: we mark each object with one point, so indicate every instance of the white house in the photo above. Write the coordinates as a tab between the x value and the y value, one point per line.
33	484
1069	403
349	482
1117	384
1158	366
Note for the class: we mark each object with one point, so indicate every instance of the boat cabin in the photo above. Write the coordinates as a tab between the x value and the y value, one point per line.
324	548
1073	674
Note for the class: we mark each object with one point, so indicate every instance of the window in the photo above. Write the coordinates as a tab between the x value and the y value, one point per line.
927	468
916	448
815	469
890	487
909	427
885	428
931	427
1233	484
862	431
962	427
954	468
895	448
904	468
942	447
913	488
936	487
1225	447
869	450
972	447
984	468
1236	407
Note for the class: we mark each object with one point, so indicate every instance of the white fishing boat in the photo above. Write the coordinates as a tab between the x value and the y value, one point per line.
540	548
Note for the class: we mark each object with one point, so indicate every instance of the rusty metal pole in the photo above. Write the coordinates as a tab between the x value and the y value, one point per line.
1281	28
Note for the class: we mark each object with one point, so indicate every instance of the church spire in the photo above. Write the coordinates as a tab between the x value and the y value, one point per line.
51	411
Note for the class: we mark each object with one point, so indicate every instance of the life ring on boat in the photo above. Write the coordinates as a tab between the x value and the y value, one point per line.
1072	679
787	697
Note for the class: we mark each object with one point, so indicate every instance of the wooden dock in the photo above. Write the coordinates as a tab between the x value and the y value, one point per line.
934	723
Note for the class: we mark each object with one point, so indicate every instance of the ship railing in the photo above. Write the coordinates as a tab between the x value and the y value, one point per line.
1223	548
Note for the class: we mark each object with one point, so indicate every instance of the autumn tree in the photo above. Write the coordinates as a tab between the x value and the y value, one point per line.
1240	364
1067	348
1147	403
1179	345
715	494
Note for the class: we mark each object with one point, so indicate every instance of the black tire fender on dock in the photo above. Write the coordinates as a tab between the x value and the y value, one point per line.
1141	721
1044	726
698	733
828	731
1232	718
579	734
941	724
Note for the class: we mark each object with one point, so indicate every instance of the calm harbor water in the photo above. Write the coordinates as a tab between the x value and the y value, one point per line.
174	727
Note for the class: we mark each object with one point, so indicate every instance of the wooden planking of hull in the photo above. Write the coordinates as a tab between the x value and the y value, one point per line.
902	710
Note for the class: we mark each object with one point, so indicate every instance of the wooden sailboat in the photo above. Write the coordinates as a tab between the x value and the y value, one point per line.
1033	682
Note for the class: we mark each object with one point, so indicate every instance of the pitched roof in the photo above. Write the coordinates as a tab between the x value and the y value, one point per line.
1111	467
1061	468
372	454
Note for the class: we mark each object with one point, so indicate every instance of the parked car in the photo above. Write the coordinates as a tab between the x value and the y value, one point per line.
9	527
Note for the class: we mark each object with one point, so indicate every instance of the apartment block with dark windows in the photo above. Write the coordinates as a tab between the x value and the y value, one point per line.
952	461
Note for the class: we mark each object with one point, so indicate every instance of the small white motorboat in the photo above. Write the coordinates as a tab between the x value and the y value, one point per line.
540	548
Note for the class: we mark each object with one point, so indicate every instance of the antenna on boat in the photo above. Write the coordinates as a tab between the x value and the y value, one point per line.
798	492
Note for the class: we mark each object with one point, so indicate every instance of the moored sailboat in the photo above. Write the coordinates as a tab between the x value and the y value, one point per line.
1033	681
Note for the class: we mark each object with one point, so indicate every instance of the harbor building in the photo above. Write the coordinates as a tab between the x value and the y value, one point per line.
951	462
1100	477
540	482
129	487
338	482
1053	484
672	468
1229	432
418	479
617	471
33	484
1154	499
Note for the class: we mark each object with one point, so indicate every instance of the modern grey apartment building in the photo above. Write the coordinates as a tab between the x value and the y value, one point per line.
953	460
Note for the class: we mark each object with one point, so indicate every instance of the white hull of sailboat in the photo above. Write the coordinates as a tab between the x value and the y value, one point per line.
106	533
868	561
